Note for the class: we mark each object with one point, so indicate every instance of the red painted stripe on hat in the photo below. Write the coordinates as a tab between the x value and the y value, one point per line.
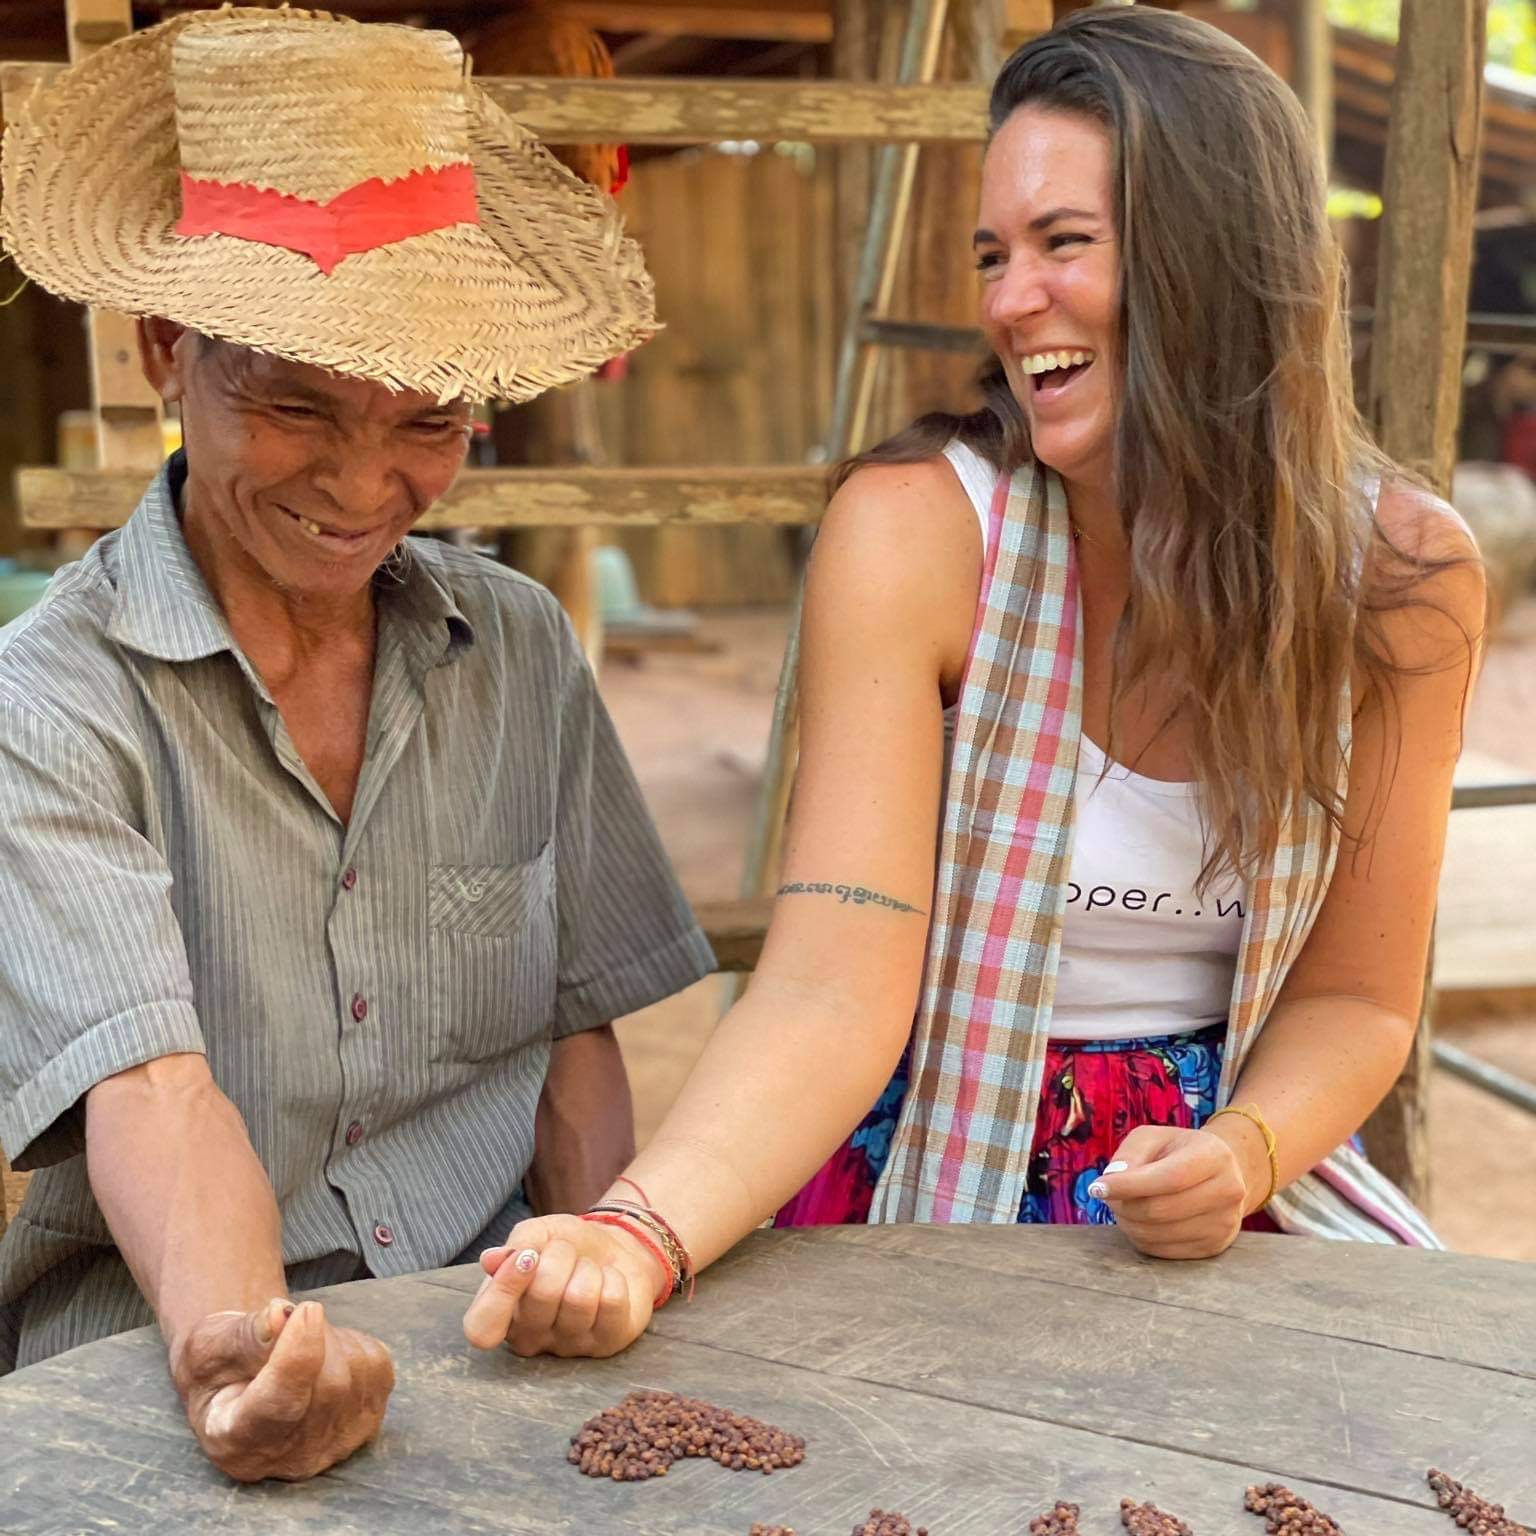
364	217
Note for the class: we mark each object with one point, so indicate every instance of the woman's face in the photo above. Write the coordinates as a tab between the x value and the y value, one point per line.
1050	268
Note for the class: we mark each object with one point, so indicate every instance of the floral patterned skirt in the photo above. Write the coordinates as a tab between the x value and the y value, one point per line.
1096	1092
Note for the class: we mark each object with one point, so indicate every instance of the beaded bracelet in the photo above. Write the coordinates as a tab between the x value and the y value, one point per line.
609	1219
1251	1112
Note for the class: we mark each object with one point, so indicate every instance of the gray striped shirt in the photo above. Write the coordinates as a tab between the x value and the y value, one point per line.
378	1000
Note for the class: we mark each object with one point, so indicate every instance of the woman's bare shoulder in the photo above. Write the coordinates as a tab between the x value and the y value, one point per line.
1422	524
1435	612
898	558
917	516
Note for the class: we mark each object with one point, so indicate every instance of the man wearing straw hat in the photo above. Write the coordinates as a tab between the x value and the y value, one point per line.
324	872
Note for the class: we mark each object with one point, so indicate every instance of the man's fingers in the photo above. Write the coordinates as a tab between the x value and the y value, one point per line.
285	1386
371	1373
232	1346
490	1314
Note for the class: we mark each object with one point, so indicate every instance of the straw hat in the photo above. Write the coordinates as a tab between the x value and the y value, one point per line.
335	192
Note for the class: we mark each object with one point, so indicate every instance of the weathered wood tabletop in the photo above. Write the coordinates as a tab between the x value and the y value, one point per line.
965	1376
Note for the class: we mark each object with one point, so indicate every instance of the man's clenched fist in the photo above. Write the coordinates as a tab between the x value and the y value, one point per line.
280	1392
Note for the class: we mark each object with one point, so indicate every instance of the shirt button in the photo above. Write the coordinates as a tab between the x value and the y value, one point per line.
349	879
354	1133
359	1007
383	1236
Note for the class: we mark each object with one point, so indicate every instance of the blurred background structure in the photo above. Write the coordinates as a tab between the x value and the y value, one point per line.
755	239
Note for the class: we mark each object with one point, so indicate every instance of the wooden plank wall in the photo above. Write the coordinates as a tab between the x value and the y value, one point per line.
740	248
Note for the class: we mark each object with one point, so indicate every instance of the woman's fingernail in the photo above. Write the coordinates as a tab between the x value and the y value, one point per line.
1097	1190
1117	1168
526	1261
490	1253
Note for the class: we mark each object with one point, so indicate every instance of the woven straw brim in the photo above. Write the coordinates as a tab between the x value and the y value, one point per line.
543	291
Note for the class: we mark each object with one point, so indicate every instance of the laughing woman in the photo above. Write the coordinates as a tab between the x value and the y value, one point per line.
1130	709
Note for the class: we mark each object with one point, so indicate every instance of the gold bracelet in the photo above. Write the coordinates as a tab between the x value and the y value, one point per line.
1251	1112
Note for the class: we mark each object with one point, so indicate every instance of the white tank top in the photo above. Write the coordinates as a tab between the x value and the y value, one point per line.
1141	952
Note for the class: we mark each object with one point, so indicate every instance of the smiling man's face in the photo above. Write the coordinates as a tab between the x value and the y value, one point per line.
303	476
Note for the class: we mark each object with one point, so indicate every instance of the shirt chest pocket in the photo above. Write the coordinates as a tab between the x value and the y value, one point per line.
493	949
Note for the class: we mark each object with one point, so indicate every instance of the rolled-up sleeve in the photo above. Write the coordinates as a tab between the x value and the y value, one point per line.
93	969
627	936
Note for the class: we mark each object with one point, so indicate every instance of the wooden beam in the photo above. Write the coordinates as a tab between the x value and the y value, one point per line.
92	24
735	931
638	111
801	21
1024	19
790	495
1429	193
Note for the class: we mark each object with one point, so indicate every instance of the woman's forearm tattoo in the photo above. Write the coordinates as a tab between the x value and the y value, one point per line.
859	895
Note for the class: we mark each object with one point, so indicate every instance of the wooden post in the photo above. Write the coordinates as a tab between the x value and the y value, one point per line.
575	583
128	411
1430	193
1312	48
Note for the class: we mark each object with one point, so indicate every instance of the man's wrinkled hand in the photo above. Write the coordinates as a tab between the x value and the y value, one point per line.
280	1392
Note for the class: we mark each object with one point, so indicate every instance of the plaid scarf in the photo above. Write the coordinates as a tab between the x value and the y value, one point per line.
961	1148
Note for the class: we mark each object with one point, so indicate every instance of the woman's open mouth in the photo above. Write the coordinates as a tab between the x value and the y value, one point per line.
1053	373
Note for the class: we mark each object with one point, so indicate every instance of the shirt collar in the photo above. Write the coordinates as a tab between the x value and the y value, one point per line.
164	608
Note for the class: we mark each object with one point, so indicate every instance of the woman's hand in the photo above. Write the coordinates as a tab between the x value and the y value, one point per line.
563	1286
1176	1194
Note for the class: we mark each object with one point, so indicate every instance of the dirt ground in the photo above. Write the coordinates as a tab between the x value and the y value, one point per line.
695	726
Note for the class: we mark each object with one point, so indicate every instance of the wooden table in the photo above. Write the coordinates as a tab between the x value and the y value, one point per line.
965	1376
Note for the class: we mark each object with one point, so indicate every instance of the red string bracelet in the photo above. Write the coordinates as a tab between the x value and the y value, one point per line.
680	1261
627	1224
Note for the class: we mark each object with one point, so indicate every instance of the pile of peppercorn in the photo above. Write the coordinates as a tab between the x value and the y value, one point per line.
770	1530
1149	1520
1288	1513
884	1522
1471	1511
643	1435
1060	1520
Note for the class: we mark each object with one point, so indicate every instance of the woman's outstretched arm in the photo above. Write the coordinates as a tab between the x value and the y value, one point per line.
810	1046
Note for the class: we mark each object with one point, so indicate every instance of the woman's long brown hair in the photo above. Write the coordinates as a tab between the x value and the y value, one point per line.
1242	467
